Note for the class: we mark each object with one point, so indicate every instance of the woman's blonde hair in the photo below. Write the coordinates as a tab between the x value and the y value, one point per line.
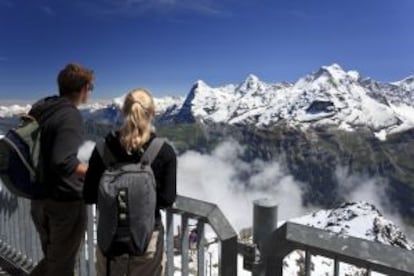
138	111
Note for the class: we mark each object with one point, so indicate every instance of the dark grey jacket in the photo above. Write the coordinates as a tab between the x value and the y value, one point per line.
61	137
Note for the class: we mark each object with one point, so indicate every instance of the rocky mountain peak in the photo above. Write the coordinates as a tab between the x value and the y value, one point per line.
407	83
334	74
251	83
359	219
200	84
333	69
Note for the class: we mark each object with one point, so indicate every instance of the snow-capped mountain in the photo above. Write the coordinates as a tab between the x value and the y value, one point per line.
11	110
162	105
328	96
166	108
360	220
105	113
357	219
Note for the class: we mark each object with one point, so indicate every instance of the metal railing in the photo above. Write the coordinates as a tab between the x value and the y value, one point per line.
274	245
20	248
371	256
204	213
19	244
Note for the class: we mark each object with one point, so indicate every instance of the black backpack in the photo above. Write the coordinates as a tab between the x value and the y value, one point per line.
126	202
20	159
21	162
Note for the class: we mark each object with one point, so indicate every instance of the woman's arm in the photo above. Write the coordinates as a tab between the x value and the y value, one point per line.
167	178
92	178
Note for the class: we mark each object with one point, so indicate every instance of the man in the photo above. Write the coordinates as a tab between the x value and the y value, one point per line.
60	219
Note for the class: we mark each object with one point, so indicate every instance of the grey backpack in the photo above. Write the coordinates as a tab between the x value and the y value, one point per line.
126	202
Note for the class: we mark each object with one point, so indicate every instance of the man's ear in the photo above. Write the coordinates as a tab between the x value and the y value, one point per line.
84	89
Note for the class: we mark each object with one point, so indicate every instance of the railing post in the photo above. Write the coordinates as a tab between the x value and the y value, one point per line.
264	223
200	248
170	244
184	245
91	240
336	266
307	263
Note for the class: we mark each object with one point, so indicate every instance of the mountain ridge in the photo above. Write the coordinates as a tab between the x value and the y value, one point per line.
329	96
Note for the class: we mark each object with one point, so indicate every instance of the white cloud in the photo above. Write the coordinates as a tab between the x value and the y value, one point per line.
225	179
357	187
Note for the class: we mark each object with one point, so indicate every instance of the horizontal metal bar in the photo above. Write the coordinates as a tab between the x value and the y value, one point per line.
205	212
359	252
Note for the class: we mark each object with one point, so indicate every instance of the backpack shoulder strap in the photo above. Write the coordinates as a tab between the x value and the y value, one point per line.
152	150
106	155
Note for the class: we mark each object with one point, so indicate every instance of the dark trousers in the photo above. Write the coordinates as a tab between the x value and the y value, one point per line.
61	227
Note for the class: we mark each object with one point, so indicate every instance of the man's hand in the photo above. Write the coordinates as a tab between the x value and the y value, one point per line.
81	169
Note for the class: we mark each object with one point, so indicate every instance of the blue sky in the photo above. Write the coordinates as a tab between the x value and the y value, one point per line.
167	45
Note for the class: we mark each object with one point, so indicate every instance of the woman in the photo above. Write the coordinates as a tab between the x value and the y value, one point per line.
127	146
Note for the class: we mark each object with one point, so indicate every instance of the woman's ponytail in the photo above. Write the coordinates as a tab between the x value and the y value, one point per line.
138	113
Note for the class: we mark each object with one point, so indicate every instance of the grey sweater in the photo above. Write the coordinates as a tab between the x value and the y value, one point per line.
62	135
